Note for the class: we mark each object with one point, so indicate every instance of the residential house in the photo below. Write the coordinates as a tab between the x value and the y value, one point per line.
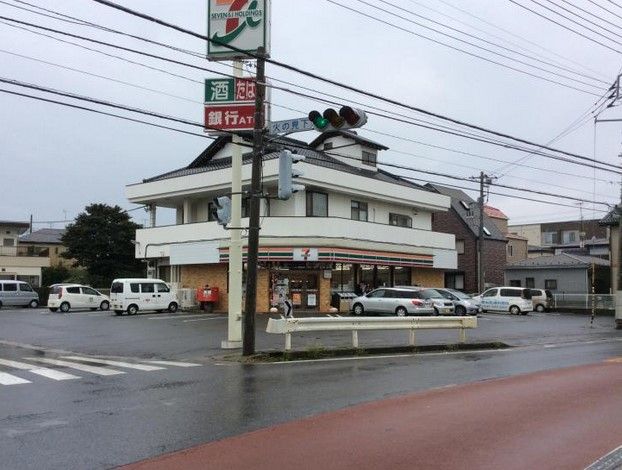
611	222
46	242
516	248
462	220
16	262
353	224
560	234
561	273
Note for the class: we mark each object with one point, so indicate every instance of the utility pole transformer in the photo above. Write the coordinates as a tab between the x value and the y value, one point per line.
248	325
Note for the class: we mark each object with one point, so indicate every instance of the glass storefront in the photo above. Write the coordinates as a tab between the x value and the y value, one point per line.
342	278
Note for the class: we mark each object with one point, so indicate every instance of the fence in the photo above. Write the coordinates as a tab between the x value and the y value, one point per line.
584	301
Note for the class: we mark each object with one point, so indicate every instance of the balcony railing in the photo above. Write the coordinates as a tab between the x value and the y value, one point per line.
30	251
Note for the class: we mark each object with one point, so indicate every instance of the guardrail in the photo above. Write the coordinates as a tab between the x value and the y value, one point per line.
584	301
287	326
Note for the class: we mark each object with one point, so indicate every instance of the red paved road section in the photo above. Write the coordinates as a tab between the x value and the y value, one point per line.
562	419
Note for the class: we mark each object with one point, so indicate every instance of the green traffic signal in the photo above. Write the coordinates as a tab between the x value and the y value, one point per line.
318	120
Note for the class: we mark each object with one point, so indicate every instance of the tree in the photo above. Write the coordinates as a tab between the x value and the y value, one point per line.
100	240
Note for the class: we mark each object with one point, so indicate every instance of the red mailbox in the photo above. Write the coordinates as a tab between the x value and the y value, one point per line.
207	297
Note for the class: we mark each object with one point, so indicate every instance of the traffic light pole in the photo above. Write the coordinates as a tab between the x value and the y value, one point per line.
234	324
248	327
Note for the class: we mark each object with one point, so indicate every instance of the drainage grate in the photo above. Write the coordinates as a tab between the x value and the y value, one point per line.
611	461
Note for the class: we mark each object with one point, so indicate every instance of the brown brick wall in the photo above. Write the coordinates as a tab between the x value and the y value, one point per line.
197	275
494	251
324	294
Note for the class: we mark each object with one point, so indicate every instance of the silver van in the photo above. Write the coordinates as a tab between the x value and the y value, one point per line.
17	294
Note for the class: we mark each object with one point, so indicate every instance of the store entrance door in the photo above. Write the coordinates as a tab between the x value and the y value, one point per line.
303	289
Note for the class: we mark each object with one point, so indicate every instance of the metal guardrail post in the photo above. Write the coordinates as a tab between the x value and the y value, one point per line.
462	335
355	339
411	340
288	341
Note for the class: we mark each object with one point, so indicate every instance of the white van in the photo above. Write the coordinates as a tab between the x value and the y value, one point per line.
514	300
17	294
134	294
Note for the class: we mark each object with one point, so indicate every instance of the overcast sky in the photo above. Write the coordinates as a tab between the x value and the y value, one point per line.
55	160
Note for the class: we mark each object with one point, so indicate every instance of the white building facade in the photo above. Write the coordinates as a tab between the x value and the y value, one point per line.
353	225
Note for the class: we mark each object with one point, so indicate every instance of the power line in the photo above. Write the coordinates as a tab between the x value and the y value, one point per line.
565	27
592	14
583	18
606	9
485	41
340	84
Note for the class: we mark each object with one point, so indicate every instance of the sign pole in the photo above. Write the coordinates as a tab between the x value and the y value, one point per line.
234	321
248	346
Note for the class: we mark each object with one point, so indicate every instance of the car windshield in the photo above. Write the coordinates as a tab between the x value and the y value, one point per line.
460	295
431	294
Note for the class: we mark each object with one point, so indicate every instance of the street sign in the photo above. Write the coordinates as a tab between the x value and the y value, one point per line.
289	126
228	90
243	24
230	117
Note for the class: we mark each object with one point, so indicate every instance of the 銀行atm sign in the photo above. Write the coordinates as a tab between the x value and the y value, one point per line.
242	24
230	104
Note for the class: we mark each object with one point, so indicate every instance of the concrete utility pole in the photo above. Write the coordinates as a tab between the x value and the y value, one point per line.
248	345
484	180
234	323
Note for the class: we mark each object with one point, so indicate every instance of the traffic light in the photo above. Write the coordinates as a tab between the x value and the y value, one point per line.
331	120
221	210
287	173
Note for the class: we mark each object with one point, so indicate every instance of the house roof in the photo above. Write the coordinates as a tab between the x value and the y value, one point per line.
612	218
459	197
514	236
563	260
14	223
206	163
494	212
49	236
349	135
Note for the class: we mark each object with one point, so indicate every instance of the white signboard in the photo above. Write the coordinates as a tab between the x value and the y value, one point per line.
305	254
194	253
289	126
243	24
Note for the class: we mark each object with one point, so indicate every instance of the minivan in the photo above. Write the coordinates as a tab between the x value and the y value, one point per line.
133	294
17	294
542	300
515	300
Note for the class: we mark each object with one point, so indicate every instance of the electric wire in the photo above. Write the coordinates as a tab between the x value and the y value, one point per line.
592	14
606	9
337	83
584	19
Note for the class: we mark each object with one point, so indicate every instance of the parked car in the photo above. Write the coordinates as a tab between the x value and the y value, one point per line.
441	305
515	300
131	295
400	302
463	303
17	294
542	300
76	296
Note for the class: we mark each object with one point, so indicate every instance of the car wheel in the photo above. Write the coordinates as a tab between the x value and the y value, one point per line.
53	309
172	307
460	310
105	305
33	303
132	309
118	312
64	307
540	308
514	310
401	312
358	310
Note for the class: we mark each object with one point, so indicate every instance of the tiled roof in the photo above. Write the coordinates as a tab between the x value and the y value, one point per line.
494	212
205	163
471	221
44	235
563	260
611	218
349	135
14	223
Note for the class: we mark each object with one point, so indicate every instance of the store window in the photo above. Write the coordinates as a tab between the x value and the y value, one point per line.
400	220
401	276
383	276
317	204
358	210
342	278
365	277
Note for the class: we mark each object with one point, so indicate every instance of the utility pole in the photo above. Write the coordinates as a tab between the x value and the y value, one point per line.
484	181
248	327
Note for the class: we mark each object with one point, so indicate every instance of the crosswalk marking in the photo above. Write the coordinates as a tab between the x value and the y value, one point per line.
127	365
43	371
8	379
75	365
171	363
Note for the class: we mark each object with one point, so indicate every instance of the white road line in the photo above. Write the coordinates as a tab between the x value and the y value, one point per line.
43	371
172	363
172	317
204	319
8	379
73	365
127	365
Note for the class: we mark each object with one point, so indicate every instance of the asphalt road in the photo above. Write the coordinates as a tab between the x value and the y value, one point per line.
101	421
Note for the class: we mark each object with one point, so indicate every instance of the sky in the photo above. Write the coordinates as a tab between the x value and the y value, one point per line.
54	160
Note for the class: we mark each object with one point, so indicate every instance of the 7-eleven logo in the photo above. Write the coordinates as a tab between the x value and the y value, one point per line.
241	14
